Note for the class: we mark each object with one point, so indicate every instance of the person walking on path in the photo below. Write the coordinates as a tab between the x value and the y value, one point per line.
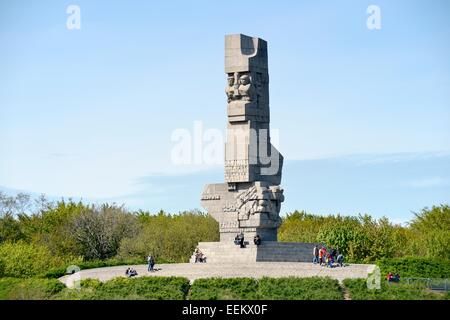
151	262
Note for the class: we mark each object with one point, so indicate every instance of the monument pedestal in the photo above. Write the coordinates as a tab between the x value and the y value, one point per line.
268	251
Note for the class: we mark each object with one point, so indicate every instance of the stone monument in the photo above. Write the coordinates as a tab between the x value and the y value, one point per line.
249	201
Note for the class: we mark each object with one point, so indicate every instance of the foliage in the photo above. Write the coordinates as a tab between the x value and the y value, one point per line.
21	259
91	283
51	226
293	288
98	231
416	267
431	228
290	288
364	239
169	238
224	289
10	229
141	288
389	291
29	289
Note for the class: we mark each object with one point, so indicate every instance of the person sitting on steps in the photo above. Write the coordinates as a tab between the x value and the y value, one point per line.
241	240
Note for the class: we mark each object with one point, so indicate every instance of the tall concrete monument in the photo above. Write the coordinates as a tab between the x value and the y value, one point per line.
249	201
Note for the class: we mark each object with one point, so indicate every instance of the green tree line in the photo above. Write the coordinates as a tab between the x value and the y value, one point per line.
365	239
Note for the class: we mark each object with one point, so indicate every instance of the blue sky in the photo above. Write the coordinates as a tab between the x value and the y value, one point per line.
363	115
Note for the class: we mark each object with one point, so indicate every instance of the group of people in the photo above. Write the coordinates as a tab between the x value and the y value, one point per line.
130	272
393	277
239	240
199	256
324	258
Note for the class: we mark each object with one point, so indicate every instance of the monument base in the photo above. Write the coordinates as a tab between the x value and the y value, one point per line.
270	251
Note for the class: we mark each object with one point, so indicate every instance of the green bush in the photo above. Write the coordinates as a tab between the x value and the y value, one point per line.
293	288
224	289
21	260
91	283
414	267
290	288
389	291
431	228
142	288
29	289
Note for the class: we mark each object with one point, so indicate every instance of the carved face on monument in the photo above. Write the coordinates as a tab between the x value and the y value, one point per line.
230	81
244	80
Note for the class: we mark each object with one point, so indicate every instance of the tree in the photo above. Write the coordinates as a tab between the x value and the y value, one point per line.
98	231
432	231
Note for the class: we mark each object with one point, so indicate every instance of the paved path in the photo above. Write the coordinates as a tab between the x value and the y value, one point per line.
205	270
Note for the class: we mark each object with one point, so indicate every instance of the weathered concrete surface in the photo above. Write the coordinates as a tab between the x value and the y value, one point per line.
227	270
268	251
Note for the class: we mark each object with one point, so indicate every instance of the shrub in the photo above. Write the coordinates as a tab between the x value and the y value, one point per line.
91	283
432	232
224	289
389	291
29	289
169	238
23	260
98	231
142	288
415	267
293	288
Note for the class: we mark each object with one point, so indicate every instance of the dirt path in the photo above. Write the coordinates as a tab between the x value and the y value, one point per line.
345	292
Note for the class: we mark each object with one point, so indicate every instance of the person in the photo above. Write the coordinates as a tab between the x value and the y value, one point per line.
257	240
389	277
330	260
333	253
315	255
130	272
325	252
196	254
241	240
236	239
199	256
320	256
340	259
151	263
396	278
